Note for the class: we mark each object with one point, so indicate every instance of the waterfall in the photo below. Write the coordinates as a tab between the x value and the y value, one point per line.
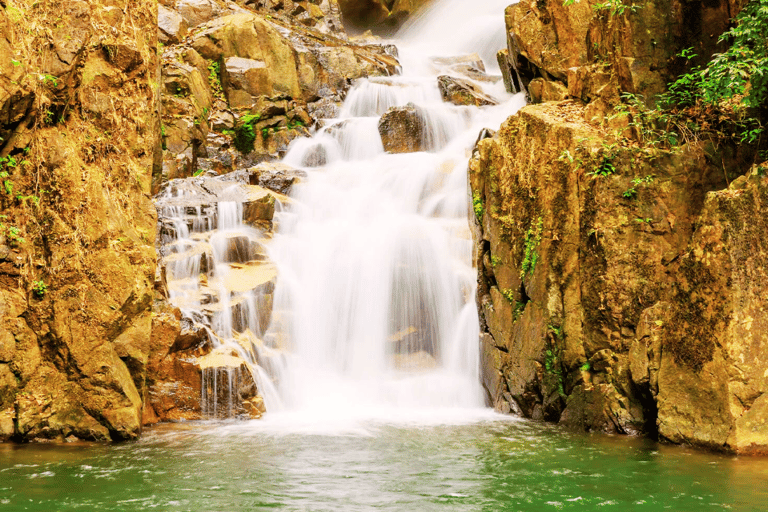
362	302
374	306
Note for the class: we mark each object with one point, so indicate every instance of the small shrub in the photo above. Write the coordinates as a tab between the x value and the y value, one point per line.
39	287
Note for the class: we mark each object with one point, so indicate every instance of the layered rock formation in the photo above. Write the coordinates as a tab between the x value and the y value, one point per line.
77	226
618	282
244	84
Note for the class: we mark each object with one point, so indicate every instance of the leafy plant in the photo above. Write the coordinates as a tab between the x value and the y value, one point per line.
12	233
477	206
740	73
214	78
39	287
532	241
636	182
614	7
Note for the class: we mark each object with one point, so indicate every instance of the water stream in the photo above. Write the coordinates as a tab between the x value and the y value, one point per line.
375	296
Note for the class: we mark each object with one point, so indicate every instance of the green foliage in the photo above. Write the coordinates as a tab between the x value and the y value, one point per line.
631	192
585	367
532	241
49	79
6	163
477	206
245	135
614	7
214	78
655	128
12	233
746	61
198	173
495	261
740	73
39	287
554	371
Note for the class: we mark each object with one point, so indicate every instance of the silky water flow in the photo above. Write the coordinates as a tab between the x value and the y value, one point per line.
374	313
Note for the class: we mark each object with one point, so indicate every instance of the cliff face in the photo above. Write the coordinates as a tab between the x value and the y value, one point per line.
618	282
77	259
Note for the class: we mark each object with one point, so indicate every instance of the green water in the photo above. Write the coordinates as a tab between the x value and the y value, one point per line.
487	465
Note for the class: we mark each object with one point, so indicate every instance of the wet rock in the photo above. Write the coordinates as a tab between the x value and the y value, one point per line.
462	92
254	408
275	176
364	13
192	334
402	130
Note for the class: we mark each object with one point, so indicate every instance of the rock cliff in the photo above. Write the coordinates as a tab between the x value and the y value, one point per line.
79	127
619	281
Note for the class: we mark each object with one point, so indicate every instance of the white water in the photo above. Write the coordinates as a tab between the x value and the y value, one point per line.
375	305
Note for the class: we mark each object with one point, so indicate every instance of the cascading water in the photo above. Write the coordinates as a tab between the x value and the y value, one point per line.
374	304
366	306
216	274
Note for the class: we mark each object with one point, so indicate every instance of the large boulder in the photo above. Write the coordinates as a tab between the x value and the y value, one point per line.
263	57
462	92
173	27
402	130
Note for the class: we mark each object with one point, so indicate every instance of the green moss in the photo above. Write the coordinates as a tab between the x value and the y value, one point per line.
245	134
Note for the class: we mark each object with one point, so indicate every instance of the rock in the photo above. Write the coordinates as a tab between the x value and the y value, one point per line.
642	334
363	13
402	130
296	62
244	79
462	92
222	120
275	176
325	108
73	359
711	380
637	49
173	27
542	90
197	12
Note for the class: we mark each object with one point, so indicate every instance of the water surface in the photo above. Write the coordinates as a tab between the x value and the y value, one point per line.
487	463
